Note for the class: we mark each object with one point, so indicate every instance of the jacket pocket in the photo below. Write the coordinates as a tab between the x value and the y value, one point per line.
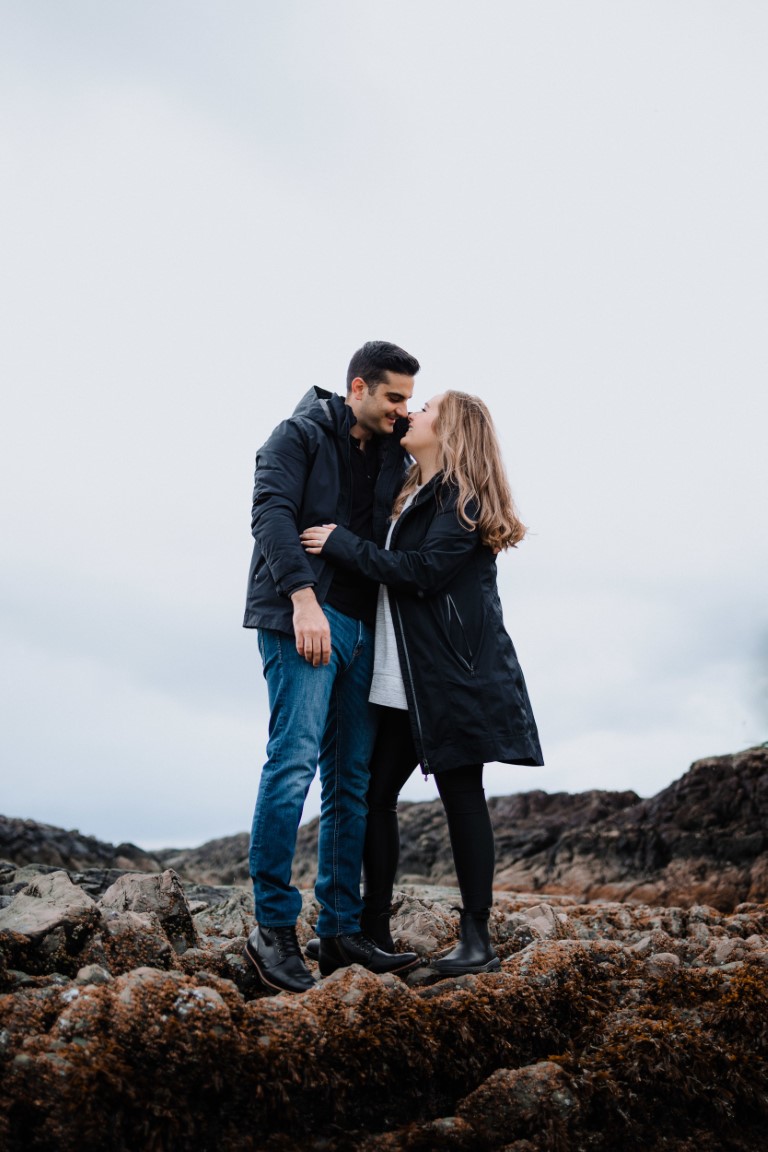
456	634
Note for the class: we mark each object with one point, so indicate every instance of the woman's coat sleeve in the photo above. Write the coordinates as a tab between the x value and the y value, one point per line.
445	549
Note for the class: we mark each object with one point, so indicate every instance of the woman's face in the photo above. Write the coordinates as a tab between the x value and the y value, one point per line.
421	431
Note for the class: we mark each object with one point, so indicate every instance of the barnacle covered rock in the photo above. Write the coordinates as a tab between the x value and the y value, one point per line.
617	1026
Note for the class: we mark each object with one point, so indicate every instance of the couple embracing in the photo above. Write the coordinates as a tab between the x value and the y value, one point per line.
373	589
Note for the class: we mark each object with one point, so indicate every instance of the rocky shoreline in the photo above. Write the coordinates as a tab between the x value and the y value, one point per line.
130	1020
704	839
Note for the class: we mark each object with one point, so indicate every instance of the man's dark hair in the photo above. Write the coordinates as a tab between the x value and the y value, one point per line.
377	357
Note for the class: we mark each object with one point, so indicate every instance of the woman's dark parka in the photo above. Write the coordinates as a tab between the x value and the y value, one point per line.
466	694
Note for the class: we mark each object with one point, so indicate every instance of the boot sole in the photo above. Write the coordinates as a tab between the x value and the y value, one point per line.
328	969
254	959
466	969
312	951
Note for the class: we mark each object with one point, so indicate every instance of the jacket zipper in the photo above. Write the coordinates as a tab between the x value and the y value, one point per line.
424	763
348	509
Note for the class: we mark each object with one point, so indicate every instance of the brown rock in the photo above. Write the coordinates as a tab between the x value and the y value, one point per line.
515	1103
423	925
576	1043
722	951
131	940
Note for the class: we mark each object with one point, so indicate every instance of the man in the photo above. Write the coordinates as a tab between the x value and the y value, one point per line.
334	461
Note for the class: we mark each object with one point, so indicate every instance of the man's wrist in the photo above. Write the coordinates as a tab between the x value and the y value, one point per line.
304	593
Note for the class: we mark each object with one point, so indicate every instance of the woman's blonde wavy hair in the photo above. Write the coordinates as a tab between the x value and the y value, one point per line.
470	459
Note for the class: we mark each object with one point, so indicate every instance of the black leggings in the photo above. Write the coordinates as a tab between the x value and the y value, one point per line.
469	823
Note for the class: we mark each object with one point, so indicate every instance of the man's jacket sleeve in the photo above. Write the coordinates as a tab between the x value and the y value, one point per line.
282	469
445	549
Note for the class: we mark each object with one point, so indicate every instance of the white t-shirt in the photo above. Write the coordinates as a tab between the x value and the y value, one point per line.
387	685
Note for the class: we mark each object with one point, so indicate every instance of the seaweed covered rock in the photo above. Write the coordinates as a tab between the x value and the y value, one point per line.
609	1026
536	1101
129	940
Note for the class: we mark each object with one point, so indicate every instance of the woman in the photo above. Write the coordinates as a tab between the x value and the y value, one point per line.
446	674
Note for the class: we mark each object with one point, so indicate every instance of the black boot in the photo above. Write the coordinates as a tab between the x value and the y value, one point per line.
375	925
474	951
276	956
312	948
357	948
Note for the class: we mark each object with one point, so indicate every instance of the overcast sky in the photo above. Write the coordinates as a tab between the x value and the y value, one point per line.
206	208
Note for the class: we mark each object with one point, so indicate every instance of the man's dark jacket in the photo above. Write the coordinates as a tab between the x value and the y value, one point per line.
467	699
303	478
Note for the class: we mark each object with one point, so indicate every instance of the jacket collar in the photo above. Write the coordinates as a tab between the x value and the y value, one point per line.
327	409
428	489
331	411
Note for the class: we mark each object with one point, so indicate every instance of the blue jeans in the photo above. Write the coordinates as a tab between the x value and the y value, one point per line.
318	716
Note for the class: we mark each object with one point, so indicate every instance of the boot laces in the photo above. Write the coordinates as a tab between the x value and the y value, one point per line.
286	941
365	942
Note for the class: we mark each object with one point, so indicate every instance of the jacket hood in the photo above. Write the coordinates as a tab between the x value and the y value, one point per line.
330	410
325	408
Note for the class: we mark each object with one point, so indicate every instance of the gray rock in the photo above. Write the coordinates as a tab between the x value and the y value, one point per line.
93	974
161	895
421	926
28	841
233	917
723	951
50	903
662	964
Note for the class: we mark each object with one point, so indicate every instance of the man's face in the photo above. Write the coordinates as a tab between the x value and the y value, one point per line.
377	411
